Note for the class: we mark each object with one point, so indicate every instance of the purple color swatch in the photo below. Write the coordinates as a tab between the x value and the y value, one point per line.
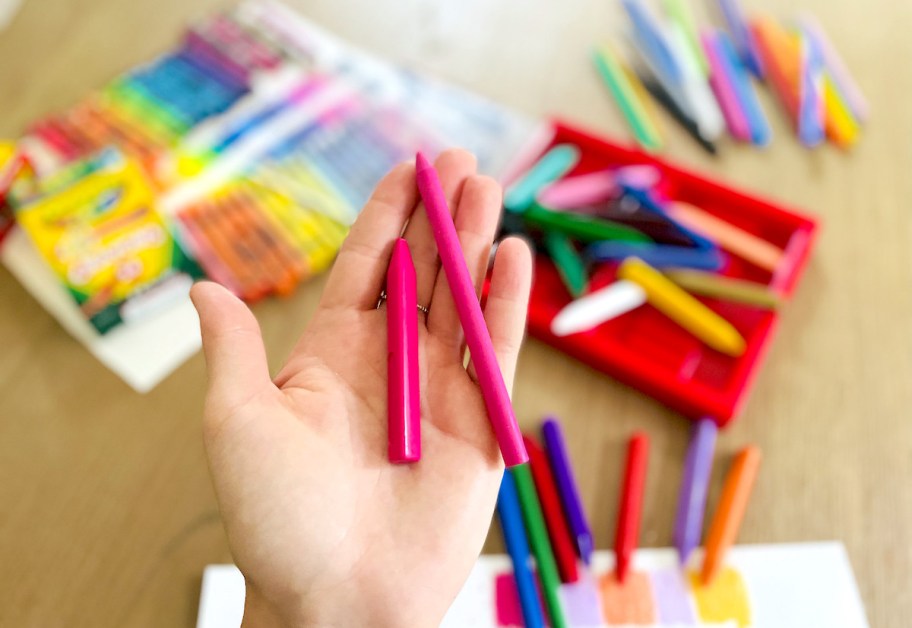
671	596
582	603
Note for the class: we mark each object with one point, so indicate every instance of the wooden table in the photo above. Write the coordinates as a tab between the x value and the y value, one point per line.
107	515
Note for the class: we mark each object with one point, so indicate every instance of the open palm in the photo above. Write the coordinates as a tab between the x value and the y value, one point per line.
324	528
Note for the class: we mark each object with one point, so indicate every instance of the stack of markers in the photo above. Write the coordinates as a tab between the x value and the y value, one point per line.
144	112
619	220
539	506
704	78
257	242
256	160
259	227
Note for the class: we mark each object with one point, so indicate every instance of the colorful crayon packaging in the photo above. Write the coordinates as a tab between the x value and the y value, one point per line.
111	249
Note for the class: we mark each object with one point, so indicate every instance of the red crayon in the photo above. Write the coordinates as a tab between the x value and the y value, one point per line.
561	541
628	526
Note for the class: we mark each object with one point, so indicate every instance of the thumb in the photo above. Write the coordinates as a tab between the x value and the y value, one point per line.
235	356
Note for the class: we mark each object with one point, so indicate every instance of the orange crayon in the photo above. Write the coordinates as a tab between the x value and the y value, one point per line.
248	249
273	237
730	511
205	252
733	239
262	244
203	216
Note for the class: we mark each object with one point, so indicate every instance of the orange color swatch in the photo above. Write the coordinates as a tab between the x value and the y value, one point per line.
628	603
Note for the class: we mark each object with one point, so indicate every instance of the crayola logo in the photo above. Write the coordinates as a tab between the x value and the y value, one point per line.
107	200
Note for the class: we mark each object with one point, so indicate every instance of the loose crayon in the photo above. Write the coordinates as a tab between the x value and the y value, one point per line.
682	308
744	244
694	488
582	228
727	288
559	459
561	542
568	262
631	505
551	166
541	546
509	513
730	512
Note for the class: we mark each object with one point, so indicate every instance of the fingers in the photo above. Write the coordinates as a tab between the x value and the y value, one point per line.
476	223
508	302
235	356
357	276
453	166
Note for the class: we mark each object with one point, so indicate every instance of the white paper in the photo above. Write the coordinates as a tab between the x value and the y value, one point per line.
141	352
221	598
796	585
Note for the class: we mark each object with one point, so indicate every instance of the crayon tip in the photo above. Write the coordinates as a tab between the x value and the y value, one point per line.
401	257
684	552
421	162
620	572
584	543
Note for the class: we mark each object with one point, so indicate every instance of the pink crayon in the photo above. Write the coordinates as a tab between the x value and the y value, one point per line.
490	379
723	89
402	345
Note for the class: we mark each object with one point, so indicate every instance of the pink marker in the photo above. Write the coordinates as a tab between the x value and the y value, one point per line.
724	91
490	379
402	360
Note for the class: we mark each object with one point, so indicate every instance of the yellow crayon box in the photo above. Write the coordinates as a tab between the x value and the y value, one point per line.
104	239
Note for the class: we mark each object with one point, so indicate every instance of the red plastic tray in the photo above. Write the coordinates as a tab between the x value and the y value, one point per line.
648	351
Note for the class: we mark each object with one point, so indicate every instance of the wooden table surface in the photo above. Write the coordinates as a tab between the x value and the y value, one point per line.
107	517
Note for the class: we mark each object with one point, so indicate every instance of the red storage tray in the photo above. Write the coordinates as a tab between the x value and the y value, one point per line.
645	349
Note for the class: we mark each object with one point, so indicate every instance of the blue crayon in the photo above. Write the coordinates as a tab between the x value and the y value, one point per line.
660	256
648	202
653	44
744	39
747	97
811	129
226	80
514	533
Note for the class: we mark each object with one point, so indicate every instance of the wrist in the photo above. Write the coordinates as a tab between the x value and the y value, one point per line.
327	612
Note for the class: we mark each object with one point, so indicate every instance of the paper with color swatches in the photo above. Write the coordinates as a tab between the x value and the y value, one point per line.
765	586
782	586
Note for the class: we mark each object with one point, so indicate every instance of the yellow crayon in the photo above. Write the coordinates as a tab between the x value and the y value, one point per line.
682	308
840	126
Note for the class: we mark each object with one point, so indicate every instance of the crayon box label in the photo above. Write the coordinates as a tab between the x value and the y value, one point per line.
104	239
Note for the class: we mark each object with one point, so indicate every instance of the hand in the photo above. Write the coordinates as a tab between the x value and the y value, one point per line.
325	530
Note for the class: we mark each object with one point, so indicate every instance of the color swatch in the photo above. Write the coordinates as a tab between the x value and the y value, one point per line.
630	602
790	586
787	586
725	599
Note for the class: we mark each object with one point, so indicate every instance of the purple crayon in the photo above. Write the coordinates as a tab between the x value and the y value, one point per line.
692	502
566	486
